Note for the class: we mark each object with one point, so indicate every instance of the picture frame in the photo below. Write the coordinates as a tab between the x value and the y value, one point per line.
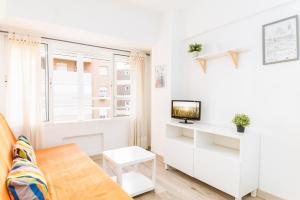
281	41
160	76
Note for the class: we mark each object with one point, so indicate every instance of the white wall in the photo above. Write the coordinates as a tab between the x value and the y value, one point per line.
115	133
107	19
2	8
167	51
269	94
177	61
160	97
209	14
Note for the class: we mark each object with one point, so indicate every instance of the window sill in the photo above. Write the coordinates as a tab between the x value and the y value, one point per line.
88	121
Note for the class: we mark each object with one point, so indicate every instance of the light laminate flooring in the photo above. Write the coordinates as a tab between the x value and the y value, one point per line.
172	184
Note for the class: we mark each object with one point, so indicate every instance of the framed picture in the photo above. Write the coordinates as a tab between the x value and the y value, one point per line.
281	41
160	76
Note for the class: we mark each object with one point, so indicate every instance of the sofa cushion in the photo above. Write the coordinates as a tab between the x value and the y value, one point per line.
25	181
23	149
25	139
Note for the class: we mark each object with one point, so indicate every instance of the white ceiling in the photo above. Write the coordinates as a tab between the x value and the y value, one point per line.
165	5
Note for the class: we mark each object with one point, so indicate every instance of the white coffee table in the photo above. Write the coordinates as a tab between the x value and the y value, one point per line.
134	183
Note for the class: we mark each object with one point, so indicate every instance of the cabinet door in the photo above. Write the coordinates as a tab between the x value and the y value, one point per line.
217	170
179	156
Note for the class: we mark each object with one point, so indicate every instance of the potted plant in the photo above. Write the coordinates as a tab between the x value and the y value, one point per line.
195	49
241	121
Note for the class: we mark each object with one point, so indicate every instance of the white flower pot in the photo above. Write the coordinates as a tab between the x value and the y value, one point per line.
195	54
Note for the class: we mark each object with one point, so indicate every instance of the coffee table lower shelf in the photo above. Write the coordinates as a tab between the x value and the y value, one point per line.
135	183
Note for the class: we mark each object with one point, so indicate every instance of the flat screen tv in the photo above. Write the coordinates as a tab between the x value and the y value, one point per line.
186	110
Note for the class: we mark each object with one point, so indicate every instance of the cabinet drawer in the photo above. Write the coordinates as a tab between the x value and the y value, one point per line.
217	170
180	156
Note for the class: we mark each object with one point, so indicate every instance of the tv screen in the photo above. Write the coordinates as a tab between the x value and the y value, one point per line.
186	109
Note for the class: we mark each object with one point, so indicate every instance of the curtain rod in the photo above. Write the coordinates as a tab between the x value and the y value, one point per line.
79	43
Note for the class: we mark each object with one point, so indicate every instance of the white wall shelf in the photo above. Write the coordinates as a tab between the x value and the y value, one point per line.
219	156
232	53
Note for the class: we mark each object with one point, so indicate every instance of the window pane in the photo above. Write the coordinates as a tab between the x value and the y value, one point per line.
45	81
65	89
97	95
122	86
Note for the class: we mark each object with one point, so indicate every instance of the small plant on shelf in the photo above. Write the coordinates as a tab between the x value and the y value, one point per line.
195	49
241	121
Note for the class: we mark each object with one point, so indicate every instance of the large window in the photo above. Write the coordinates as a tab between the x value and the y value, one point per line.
86	87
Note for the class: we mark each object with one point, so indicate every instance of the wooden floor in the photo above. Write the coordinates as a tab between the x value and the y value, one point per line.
174	185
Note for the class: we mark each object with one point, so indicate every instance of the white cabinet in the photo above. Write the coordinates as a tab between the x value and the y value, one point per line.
219	157
217	170
180	148
180	154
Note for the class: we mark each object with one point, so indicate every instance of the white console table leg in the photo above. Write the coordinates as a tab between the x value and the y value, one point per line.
254	193
119	173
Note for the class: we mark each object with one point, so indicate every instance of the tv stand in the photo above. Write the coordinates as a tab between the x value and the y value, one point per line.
218	156
185	122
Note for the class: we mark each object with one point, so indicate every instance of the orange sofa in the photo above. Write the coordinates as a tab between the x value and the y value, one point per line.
70	173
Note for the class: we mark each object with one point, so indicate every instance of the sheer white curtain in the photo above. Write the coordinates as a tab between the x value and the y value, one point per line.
24	86
138	121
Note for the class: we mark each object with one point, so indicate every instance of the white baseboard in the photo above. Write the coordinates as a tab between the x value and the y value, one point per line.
267	196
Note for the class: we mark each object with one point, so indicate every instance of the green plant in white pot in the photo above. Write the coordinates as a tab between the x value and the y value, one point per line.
241	121
195	49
